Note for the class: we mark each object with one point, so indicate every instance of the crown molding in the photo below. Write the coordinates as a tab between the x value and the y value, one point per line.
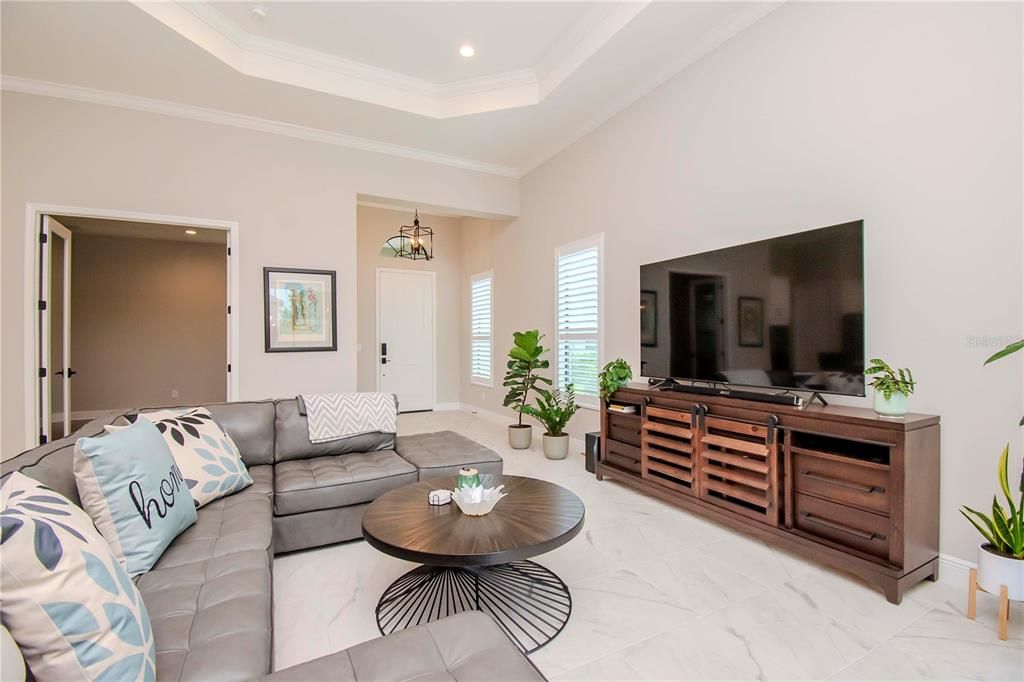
281	62
722	33
187	111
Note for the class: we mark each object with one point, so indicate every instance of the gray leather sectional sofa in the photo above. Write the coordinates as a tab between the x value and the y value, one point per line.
210	595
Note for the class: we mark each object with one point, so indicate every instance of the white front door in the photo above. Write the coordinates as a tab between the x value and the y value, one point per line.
55	323
405	337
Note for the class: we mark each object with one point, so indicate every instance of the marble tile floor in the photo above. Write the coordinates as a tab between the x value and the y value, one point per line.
662	594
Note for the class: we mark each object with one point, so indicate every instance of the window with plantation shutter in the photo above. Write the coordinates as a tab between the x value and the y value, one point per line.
578	325
480	329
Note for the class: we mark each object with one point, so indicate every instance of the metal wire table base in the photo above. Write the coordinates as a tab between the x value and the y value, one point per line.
529	602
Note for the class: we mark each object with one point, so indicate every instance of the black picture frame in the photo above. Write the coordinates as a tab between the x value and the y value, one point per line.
269	313
648	318
750	322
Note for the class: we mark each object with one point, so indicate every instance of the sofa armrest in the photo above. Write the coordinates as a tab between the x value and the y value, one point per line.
466	646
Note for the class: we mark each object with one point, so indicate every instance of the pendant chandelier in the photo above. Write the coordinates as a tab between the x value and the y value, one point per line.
415	242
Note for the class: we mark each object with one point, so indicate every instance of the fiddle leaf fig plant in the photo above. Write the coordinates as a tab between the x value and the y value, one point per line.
1003	530
614	376
522	375
888	381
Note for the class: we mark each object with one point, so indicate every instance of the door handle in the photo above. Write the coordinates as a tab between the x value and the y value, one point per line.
71	372
807	473
864	535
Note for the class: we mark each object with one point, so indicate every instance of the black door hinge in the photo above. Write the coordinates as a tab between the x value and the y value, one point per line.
229	366
229	310
42	439
229	250
42	237
42	304
42	372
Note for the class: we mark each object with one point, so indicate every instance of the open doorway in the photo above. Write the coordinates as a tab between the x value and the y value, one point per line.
131	314
697	319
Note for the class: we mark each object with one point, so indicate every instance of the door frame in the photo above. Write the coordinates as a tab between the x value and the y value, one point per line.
34	213
433	302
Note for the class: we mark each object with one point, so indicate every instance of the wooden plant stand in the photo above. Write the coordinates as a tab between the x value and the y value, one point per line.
972	602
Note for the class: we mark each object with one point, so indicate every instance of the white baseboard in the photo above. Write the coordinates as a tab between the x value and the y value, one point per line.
447	407
954	570
488	414
83	414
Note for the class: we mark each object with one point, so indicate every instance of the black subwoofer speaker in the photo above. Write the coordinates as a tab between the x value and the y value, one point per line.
593	447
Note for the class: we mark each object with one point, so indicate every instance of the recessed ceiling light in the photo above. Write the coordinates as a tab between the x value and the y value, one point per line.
190	232
467	51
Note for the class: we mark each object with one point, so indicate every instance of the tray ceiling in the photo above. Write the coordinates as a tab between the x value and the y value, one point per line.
120	54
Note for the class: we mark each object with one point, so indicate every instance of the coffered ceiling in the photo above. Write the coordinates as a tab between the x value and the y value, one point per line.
377	75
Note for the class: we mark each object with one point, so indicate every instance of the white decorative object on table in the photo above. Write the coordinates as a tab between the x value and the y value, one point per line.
439	498
477	500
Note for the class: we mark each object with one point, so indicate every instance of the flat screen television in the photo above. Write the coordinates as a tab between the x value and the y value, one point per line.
784	313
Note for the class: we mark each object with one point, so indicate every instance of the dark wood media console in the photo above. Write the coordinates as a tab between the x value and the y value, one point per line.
837	484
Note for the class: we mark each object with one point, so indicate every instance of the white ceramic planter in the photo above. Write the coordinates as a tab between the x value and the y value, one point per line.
520	437
895	406
556	447
995	570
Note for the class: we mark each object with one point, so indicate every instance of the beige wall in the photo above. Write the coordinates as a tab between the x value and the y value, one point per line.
294	201
148	317
374	225
907	115
477	257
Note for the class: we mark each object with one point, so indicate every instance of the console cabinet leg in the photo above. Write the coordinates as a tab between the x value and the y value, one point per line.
893	591
972	593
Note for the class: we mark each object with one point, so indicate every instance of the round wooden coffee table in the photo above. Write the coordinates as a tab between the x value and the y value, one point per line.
477	562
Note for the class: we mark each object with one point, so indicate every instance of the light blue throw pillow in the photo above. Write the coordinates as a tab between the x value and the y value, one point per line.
134	492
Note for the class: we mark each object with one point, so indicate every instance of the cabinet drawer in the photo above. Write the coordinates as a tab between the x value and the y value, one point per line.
849	483
623	456
854	528
624	427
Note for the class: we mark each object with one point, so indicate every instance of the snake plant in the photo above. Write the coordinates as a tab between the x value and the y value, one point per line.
1004	530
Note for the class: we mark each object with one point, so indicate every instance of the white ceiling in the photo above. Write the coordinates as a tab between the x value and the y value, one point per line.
600	57
419	39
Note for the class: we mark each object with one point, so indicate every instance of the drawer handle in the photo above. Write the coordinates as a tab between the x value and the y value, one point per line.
842	484
864	535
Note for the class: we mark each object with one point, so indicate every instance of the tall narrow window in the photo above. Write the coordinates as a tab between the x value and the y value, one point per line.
578	325
480	329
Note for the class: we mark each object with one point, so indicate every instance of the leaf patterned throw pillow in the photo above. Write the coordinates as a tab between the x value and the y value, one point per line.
206	455
67	601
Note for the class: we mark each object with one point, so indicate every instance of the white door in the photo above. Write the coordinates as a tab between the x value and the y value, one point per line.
55	324
405	337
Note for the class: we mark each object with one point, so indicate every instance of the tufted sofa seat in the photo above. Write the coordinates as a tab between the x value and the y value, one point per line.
304	485
209	594
209	597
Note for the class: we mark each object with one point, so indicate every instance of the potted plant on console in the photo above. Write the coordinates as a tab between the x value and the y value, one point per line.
554	410
614	376
892	388
521	378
